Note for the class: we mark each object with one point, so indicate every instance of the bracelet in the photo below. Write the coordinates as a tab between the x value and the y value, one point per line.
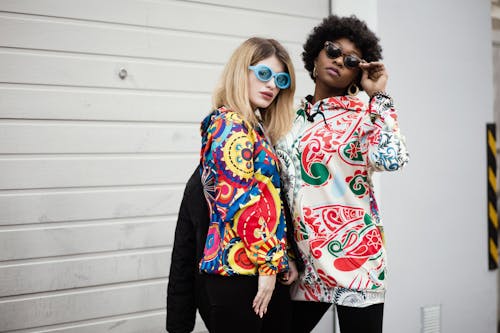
381	93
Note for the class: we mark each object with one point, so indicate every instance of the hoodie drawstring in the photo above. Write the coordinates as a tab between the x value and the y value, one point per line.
319	110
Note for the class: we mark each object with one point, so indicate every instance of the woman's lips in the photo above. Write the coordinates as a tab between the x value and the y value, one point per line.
267	95
333	71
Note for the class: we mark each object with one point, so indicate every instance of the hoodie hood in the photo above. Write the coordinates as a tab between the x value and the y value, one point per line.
206	123
351	103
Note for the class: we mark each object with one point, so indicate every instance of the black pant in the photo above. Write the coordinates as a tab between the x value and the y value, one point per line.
230	306
306	315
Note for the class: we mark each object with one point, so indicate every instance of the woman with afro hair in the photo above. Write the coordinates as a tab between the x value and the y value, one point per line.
328	158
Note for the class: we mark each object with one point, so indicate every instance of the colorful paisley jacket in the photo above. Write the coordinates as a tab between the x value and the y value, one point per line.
328	159
247	231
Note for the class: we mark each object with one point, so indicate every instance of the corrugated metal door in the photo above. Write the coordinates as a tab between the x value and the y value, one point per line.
100	103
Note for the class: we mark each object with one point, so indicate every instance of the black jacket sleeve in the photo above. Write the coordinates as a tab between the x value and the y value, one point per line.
185	285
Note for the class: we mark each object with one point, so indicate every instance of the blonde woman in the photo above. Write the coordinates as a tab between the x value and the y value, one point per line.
246	246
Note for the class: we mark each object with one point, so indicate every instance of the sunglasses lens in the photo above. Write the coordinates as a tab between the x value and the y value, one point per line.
282	80
351	61
264	73
332	51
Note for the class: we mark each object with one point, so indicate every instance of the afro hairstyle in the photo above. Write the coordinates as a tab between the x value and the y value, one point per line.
333	28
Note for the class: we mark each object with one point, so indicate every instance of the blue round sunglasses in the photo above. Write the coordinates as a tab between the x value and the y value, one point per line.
264	74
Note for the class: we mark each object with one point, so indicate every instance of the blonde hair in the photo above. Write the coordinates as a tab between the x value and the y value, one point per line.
232	90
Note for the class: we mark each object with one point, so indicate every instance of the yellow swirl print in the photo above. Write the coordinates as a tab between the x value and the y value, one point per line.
238	155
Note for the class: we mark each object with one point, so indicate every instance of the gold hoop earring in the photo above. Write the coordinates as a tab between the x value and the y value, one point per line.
353	89
315	71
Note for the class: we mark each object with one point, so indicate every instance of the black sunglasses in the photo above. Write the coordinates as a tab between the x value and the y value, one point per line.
334	51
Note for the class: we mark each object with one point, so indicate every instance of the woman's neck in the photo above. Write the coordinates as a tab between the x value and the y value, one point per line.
322	92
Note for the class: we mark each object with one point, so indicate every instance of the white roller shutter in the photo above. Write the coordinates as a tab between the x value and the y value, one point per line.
92	166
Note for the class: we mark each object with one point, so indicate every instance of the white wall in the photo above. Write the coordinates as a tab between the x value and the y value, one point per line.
438	54
92	167
439	57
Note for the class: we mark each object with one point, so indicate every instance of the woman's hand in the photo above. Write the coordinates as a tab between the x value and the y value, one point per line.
264	294
292	274
374	77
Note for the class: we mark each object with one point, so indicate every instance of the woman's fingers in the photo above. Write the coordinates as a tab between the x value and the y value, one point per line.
374	64
292	274
261	302
261	307
374	76
373	70
264	293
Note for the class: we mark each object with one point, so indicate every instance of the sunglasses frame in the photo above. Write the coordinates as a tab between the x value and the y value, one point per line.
334	46
256	69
